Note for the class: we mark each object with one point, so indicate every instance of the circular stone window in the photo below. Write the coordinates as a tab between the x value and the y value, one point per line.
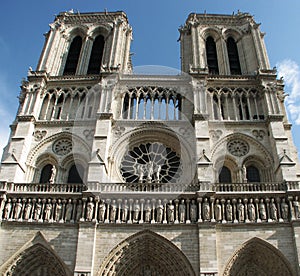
238	148
151	163
62	146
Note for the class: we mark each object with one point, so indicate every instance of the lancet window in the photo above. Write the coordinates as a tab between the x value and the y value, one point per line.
46	173
211	56
69	104
233	56
76	173
151	103
253	174
96	55
235	104
225	175
73	56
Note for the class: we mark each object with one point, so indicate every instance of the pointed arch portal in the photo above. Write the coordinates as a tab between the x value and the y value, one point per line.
259	258
146	253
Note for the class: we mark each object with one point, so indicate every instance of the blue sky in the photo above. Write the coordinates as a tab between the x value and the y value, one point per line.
155	32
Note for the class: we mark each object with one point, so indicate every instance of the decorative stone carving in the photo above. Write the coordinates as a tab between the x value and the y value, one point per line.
215	134
62	147
118	130
89	134
258	134
39	135
238	147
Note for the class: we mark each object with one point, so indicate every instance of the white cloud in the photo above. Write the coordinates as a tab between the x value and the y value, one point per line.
290	71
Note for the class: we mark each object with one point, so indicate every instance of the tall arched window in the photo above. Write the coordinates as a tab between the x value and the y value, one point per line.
73	56
75	174
96	55
233	56
225	175
253	174
211	56
46	174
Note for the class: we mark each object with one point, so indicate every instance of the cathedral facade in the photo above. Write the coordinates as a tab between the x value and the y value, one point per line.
110	172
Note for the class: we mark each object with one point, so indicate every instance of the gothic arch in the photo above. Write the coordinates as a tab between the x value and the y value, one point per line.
211	31
260	258
145	252
35	258
234	33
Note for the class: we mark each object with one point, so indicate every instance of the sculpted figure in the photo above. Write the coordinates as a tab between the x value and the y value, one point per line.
240	209
113	210
228	211
206	210
193	211
37	210
182	210
89	209
147	211
159	211
273	209
296	207
79	210
69	209
27	210
284	209
53	174
170	212
18	208
251	210
101	212
262	210
218	211
125	208
136	211
48	210
7	209
58	210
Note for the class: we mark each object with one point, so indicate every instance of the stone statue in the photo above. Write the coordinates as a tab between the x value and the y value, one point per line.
240	210
7	209
251	210
157	174
125	208
150	169
296	207
262	210
229	211
58	210
159	211
113	210
90	209
284	209
136	211
273	210
79	210
18	208
244	173
181	211
141	173
27	210
69	209
37	210
53	175
101	210
206	210
218	211
170	212
148	211
193	211
48	210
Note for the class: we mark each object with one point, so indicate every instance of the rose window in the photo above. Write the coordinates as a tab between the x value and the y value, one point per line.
238	148
151	163
62	146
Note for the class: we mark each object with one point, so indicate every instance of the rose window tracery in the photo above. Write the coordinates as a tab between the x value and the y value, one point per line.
151	163
62	146
237	147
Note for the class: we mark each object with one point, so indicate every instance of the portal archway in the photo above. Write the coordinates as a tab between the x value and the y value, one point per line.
257	257
146	253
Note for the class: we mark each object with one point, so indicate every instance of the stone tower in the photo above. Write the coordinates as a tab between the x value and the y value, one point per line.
108	172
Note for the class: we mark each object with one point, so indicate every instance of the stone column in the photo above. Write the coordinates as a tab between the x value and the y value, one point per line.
199	200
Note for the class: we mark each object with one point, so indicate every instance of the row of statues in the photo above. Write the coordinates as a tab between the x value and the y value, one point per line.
150	210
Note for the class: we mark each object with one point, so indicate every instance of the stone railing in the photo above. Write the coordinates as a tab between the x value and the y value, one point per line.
149	208
251	187
41	187
142	187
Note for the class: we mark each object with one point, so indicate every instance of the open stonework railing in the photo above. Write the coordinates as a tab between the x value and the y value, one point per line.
41	187
150	208
142	187
252	187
